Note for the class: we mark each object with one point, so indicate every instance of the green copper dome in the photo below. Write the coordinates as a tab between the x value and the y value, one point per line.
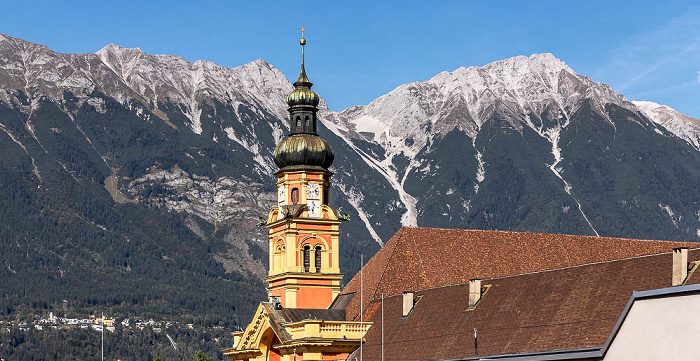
303	96
303	149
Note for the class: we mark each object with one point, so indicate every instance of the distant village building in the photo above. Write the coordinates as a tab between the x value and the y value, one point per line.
444	294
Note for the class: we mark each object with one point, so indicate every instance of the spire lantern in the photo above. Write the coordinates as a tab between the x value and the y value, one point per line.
303	96
303	149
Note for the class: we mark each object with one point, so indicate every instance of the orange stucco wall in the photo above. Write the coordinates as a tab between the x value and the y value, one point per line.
314	297
319	282
279	293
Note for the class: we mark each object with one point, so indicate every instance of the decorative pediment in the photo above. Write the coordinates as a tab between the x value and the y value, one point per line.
251	337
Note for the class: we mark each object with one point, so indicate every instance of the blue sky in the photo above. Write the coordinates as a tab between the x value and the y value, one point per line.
359	50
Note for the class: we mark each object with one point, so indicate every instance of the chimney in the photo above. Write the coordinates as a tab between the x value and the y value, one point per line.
680	266
407	303
474	292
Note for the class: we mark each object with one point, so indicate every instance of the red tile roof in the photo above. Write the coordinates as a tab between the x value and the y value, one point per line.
569	308
421	258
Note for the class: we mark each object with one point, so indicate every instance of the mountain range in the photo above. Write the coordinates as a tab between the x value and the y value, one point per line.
125	174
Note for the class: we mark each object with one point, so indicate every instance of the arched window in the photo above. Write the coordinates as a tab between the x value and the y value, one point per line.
307	258
276	259
295	195
308	121
298	121
283	259
318	259
325	196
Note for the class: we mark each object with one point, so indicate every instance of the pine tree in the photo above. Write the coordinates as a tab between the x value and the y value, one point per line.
201	356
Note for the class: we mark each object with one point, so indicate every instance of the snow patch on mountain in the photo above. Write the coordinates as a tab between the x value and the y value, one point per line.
480	167
266	166
355	199
671	214
681	125
16	141
386	169
553	136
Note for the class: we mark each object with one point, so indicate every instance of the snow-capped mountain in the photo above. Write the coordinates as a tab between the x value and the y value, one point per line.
156	130
179	81
522	144
131	74
522	89
513	87
537	94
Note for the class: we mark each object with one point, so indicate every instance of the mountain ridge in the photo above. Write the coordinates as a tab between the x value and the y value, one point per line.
519	88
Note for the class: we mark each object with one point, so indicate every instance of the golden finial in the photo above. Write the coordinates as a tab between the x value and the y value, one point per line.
302	75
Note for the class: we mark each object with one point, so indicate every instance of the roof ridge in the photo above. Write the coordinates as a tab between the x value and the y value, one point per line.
542	271
589	264
543	233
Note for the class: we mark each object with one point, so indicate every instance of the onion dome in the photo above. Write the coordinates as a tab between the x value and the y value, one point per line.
303	148
301	151
303	97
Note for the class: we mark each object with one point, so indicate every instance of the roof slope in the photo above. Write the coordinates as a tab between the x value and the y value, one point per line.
569	308
421	258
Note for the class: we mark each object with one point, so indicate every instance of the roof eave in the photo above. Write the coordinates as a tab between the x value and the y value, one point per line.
586	353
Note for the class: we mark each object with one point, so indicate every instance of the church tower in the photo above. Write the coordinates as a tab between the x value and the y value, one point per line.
300	320
303	229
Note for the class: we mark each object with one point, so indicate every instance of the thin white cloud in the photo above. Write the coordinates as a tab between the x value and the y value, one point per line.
651	68
657	58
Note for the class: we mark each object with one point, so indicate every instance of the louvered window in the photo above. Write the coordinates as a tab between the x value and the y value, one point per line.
318	259
307	258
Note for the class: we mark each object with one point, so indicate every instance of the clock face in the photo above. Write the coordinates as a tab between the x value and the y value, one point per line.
313	208
313	191
280	195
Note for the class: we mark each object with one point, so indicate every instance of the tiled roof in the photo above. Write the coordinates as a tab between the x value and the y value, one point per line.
421	258
300	314
569	308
